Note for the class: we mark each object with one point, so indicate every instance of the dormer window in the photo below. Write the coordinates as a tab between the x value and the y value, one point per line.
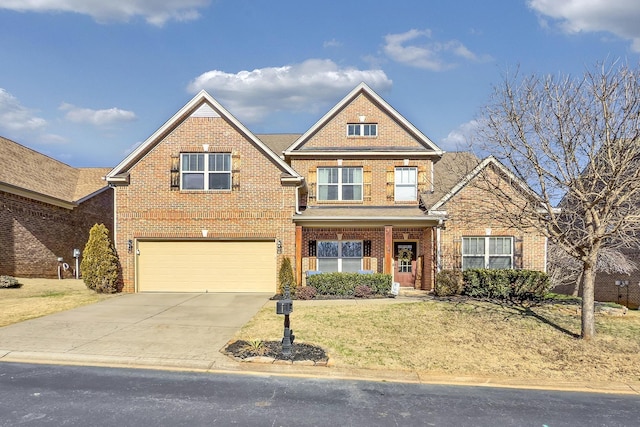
362	129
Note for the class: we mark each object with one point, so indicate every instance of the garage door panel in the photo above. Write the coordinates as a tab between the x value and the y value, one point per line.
206	266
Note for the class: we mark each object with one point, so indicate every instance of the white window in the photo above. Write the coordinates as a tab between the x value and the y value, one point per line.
339	255
205	171
487	252
406	184
340	183
362	129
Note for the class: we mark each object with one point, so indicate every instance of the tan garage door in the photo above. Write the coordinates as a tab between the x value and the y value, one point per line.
206	266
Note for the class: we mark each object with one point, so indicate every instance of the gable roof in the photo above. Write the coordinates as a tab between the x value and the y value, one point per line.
363	88
448	172
26	172
466	179
202	103
278	142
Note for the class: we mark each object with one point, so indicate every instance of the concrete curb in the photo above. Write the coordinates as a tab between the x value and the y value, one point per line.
231	366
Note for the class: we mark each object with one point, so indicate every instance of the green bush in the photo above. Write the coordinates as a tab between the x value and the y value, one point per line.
344	284
306	293
285	277
99	266
9	282
448	283
514	285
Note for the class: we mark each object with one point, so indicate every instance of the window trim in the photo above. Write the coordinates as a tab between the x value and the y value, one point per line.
339	256
340	185
361	127
206	172
397	184
487	255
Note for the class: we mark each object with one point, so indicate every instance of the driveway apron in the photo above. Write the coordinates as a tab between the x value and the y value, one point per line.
164	329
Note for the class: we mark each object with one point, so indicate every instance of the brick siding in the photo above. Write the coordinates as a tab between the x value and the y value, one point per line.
34	234
261	207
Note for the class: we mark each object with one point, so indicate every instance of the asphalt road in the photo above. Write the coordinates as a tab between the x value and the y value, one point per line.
42	395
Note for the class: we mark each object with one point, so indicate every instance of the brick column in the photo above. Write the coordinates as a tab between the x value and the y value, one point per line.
299	254
388	249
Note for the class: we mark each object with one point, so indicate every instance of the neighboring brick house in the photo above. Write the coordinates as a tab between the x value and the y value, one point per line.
205	205
46	210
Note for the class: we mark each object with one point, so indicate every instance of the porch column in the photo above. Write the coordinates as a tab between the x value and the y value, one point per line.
299	254
388	249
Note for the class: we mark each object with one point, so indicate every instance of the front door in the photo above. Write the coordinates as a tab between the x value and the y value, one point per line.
404	256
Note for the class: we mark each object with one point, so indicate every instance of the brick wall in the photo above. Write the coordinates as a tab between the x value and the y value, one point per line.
334	133
471	212
34	234
378	186
261	207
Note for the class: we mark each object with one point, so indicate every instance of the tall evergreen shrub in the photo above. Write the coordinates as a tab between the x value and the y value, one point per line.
285	277
99	266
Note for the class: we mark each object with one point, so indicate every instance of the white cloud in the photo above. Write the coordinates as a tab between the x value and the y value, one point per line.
155	12
619	17
431	55
308	86
332	43
96	117
461	138
14	117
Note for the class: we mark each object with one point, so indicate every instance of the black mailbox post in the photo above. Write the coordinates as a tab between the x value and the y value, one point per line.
285	307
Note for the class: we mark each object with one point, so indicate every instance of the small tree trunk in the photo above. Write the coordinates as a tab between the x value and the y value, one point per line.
576	288
588	307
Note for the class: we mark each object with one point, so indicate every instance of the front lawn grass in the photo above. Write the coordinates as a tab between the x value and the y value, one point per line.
39	297
466	338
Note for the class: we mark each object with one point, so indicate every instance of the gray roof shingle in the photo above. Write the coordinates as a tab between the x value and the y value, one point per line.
24	168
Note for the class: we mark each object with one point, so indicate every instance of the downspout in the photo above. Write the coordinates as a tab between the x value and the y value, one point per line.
546	248
439	246
298	187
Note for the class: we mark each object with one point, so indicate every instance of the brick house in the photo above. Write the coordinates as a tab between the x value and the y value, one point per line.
46	210
205	205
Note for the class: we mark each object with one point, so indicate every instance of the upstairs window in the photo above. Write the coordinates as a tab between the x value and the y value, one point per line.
205	171
406	184
340	183
487	252
362	129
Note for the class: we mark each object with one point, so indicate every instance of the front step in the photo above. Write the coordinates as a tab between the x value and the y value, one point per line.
411	292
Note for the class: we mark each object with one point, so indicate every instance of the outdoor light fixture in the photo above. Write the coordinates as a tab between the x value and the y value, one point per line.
129	245
279	246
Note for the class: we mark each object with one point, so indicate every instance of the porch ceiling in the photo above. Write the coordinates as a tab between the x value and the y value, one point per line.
366	216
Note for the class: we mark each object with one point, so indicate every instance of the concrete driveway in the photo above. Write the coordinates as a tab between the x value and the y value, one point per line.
167	329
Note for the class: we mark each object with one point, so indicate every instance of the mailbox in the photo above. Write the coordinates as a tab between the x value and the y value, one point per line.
284	306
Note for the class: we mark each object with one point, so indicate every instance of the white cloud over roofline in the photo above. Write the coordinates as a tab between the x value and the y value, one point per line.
308	86
428	54
103	117
155	12
619	17
14	117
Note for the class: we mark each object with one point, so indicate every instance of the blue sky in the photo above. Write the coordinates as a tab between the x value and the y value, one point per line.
85	81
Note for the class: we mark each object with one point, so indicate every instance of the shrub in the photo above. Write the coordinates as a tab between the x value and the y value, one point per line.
344	284
514	285
285	277
362	291
9	282
306	293
99	266
448	283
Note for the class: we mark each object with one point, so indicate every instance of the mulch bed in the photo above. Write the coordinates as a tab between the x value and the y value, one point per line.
245	351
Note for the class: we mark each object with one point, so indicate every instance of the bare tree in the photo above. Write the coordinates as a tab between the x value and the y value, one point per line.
575	142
